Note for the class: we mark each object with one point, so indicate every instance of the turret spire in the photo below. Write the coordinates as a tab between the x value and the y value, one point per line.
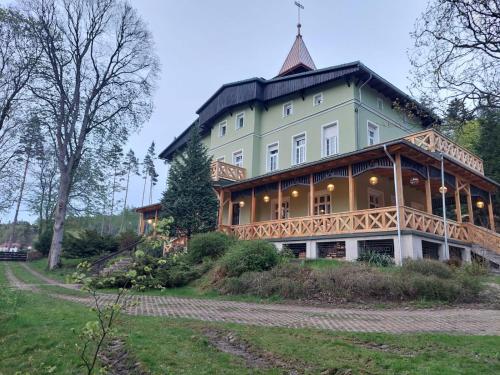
298	60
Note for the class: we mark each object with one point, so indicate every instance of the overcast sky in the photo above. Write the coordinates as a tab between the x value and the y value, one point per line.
204	44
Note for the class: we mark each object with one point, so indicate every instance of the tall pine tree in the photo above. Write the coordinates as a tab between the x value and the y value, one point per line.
190	199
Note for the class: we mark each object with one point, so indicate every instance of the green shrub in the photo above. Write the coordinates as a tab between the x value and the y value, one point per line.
475	269
127	240
89	244
247	256
42	244
208	245
151	246
427	267
375	258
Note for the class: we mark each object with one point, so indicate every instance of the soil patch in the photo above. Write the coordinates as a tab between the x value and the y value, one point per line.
118	360
229	342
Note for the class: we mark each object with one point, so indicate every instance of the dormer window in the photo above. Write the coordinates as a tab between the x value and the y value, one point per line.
318	99
380	104
287	109
240	121
222	129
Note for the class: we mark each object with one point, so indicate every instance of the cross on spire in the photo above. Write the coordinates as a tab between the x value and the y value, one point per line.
298	60
299	7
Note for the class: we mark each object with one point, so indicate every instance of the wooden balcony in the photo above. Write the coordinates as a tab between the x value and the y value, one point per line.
364	221
433	141
225	171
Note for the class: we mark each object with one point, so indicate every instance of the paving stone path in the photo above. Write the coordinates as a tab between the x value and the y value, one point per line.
459	320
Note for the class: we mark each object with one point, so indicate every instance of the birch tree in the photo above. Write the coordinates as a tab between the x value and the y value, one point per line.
94	82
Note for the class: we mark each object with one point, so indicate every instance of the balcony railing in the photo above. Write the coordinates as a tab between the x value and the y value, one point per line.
225	171
364	221
433	141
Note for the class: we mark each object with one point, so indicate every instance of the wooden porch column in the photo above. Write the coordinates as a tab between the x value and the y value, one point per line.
221	207
490	213
469	205
280	201
399	181
311	195
428	194
252	212
352	188
141	219
155	223
230	212
458	206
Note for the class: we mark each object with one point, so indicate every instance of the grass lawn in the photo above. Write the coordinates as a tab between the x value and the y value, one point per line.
68	266
36	337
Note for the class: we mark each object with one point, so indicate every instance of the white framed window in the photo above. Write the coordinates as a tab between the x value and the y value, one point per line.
375	198
380	104
299	149
329	142
285	209
222	159
322	203
373	133
317	99
273	157
287	109
240	120
238	158
222	128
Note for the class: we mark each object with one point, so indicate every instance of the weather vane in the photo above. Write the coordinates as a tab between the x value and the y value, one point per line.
299	7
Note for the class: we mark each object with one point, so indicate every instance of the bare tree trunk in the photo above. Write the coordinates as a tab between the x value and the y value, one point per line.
144	190
59	218
151	192
113	188
14	223
125	202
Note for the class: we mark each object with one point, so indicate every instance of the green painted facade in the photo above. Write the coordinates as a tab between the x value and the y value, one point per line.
342	104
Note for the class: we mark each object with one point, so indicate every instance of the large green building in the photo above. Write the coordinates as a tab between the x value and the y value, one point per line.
335	161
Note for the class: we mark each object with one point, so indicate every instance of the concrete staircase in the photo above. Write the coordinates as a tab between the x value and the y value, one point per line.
492	257
121	265
20	256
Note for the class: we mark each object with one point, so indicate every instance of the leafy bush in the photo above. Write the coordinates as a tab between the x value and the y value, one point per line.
247	256
151	246
42	244
211	245
126	240
376	259
475	269
428	267
89	244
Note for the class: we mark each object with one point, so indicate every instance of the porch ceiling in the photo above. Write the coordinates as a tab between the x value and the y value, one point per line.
404	147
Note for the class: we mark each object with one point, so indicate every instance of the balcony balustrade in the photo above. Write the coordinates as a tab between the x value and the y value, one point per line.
364	221
431	140
225	171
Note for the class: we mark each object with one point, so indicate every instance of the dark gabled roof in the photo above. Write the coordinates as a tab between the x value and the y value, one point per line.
260	90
